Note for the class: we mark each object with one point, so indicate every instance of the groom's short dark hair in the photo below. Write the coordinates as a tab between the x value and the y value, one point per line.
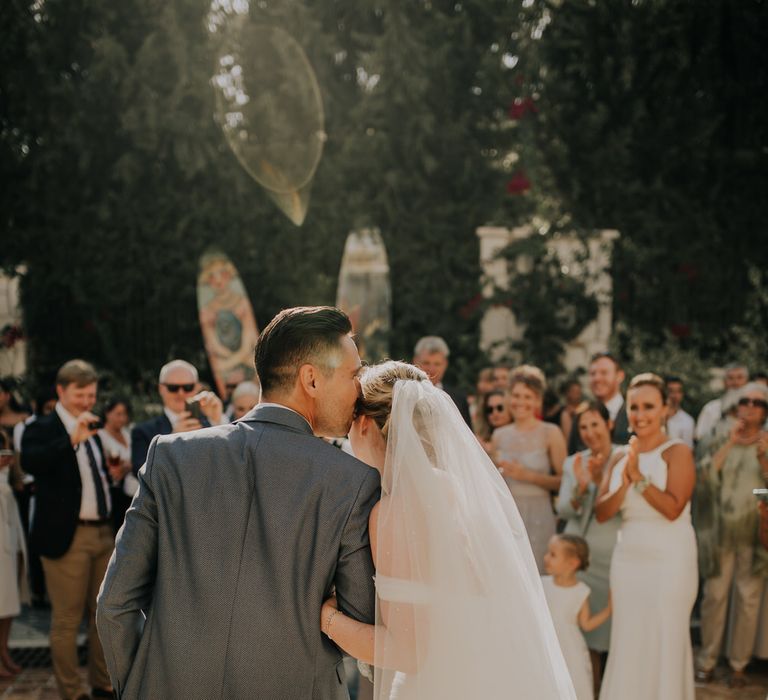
304	334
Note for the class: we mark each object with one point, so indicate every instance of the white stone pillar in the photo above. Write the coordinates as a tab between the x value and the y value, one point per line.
499	328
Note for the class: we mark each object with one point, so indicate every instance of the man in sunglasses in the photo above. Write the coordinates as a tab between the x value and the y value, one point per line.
177	384
736	376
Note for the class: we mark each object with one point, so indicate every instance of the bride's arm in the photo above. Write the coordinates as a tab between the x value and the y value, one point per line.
357	639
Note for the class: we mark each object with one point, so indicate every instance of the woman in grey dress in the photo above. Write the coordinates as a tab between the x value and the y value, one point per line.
582	475
529	454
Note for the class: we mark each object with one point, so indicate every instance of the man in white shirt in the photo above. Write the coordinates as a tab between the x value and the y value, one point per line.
736	376
71	529
680	424
605	378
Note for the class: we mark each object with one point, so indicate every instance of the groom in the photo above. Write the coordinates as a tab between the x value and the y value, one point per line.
239	532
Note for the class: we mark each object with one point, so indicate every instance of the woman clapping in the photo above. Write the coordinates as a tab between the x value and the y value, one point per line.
654	572
582	476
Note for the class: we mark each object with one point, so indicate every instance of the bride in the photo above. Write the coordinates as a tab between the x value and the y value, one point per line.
460	610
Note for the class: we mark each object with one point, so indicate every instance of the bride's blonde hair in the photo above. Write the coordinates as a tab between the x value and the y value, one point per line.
378	383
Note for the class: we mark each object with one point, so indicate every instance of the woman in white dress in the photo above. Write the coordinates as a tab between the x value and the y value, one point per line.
460	610
654	572
529	454
13	557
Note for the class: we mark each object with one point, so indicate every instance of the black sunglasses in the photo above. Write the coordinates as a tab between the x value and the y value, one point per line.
757	403
173	388
490	409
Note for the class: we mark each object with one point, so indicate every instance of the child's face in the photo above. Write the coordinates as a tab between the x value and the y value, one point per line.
558	559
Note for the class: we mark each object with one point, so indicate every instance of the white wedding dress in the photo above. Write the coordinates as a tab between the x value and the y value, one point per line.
654	579
461	611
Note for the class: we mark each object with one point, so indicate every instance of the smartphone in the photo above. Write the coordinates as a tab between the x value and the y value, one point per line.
95	425
194	409
761	494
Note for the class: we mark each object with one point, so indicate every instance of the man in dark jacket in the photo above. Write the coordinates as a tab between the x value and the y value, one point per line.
177	384
71	528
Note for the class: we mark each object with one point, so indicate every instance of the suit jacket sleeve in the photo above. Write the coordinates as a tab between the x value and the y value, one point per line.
128	586
140	440
44	449
354	570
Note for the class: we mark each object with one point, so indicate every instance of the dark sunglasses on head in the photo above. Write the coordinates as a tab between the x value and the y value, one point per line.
173	388
490	409
757	403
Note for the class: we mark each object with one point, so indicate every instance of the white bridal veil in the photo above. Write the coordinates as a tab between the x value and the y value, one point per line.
460	610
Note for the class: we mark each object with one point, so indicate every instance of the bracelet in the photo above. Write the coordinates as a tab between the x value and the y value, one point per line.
328	623
576	496
642	485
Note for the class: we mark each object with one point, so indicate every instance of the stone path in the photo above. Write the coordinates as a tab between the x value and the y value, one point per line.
29	646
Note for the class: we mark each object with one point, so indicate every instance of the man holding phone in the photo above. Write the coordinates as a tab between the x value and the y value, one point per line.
71	530
185	408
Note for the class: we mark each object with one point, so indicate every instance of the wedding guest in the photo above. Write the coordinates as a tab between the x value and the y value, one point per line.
493	413
763	511
571	606
654	576
485	381
11	411
431	355
573	397
12	559
72	527
551	407
529	454
501	376
177	384
483	385
116	441
43	405
582	475
736	568
244	398
736	376
605	378
680	424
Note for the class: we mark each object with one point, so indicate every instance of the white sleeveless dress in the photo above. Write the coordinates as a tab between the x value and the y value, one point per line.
654	578
564	604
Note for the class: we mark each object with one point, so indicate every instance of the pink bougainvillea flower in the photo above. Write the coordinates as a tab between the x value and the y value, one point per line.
519	183
680	330
520	106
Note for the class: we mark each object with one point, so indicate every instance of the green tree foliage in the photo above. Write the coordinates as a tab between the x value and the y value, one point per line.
651	120
118	177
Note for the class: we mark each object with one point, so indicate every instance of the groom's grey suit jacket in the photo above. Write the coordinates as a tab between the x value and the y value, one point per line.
236	536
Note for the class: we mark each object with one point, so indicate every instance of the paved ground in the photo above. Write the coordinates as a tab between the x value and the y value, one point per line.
36	682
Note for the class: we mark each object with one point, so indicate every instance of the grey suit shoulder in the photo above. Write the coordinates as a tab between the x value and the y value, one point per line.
235	538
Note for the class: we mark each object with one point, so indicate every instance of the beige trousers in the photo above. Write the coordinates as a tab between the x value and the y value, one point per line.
73	582
736	570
